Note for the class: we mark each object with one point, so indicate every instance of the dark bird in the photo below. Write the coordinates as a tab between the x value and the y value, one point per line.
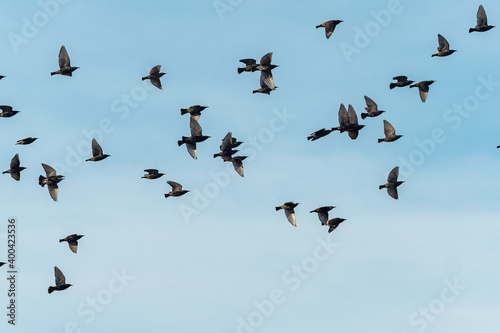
72	241
334	223
51	181
323	213
26	141
482	21
354	127
443	48
265	64
343	120
196	136
60	281
64	64
7	111
390	133
154	76
392	183
250	66
152	174
194	111
237	163
96	152
423	88
227	147
371	109
402	82
177	190
289	212
319	134
329	27
15	168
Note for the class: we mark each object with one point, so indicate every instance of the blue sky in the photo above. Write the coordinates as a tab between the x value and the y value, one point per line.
216	258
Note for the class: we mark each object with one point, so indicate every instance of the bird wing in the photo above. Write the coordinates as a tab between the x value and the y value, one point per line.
191	148
393	192
238	166
155	70
290	216
443	44
151	171
195	127
371	105
329	28
156	82
60	278
388	129
49	170
323	217
266	60
226	142
423	93
482	19
343	115
14	163
64	58
353	117
393	175
249	61
53	191
73	246
96	148
266	80
175	186
5	108
400	78
353	134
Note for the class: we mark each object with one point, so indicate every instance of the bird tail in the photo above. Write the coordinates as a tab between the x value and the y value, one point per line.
180	142
215	155
318	26
434	55
184	111
53	73
364	115
413	85
144	78
498	147
392	86
471	30
381	187
5	172
51	289
309	137
41	180
61	240
254	91
278	208
380	140
167	195
241	70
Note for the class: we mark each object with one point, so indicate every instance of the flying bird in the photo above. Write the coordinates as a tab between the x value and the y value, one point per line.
264	89
96	152
15	168
392	183
64	64
7	111
371	109
334	223
443	48
323	213
423	88
177	190
26	141
152	174
196	136
482	21
227	146
154	76
194	111
402	82
354	127
329	27
237	163
265	63
266	76
51	181
319	134
390	133
343	120
72	241
250	66
60	281
289	212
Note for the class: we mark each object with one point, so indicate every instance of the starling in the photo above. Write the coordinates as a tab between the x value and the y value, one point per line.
152	174
64	64
251	66
265	64
96	152
390	133
323	213
319	134
196	136
402	82
289	212
371	108
423	88
227	147
51	181
343	120
7	111
60	281
26	141
72	241
354	127
334	223
443	48
15	169
177	190
237	163
329	27
392	183
194	111
482	21
154	76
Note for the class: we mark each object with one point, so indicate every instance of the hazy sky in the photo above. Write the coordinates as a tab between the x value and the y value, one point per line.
220	258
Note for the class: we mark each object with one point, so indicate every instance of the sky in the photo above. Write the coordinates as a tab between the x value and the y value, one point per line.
221	258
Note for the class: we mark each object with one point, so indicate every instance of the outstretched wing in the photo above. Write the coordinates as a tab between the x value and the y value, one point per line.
96	148
266	60
238	166
155	70
60	278
388	129
49	170
343	115
443	44
290	216
191	148
393	175
393	192
266	80
353	117
371	105
195	127
14	163
175	186
481	16
64	58
249	61
226	142
53	191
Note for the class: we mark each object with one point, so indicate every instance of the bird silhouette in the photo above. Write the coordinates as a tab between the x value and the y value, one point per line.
323	213
60	281
288	207
423	89
96	152
443	48
402	82
26	141
482	21
371	109
392	183
7	111
177	190
64	64
51	181
390	133
15	168
194	111
72	241
354	127
152	174
334	223
329	27
154	76
196	136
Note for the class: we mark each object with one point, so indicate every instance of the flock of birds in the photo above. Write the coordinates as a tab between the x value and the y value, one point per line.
348	122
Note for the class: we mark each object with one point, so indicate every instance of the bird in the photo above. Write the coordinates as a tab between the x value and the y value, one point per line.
196	136
26	141
51	181
371	109
60	281
194	111
402	82
319	134
390	133
96	152
289	212
443	48
7	111
72	241
482	21
154	76
237	163
264	89
329	27
64	64
392	183
423	88
15	169
250	66
266	76
177	190
152	174
334	223
265	63
343	120
227	146
323	213
354	127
